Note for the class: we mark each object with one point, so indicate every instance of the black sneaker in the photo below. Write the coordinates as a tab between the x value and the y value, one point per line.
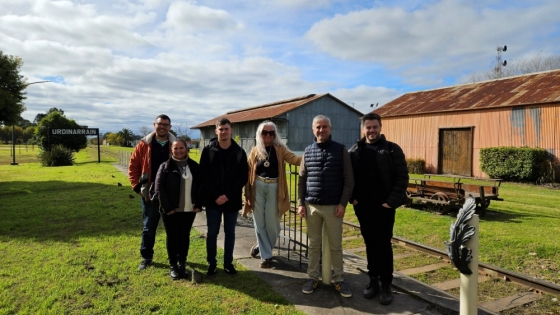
309	286
230	270
386	296
174	272
255	250
183	272
266	263
212	270
145	263
343	289
372	288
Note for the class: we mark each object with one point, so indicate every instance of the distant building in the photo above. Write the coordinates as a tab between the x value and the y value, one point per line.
447	127
293	118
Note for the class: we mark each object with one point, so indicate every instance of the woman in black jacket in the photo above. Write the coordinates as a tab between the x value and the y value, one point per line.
177	188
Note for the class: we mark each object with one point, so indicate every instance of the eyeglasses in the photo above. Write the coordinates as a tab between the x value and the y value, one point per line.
265	133
163	125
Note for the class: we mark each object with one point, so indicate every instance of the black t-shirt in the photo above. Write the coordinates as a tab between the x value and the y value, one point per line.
272	170
374	182
160	154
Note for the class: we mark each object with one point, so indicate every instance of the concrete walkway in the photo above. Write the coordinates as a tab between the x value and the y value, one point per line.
287	278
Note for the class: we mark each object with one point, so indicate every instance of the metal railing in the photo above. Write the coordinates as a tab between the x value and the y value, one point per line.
124	158
292	233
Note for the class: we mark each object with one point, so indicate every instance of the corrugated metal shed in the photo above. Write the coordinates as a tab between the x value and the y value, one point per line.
515	111
268	111
537	88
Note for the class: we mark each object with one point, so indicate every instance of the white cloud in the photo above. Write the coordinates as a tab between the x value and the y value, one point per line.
299	3
433	33
119	63
188	16
63	21
362	97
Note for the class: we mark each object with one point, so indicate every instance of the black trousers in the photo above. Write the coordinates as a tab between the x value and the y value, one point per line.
376	225
178	229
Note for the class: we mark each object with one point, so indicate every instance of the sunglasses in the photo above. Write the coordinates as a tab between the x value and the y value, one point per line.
272	133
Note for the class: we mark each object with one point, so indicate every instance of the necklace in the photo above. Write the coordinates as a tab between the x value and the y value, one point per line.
266	162
185	174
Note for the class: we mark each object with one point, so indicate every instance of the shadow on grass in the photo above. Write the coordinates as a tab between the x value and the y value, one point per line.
63	211
492	214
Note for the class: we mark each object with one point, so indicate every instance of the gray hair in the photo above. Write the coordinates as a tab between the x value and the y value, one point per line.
322	118
261	150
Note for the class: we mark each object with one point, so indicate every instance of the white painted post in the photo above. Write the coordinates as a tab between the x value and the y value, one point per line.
468	304
326	258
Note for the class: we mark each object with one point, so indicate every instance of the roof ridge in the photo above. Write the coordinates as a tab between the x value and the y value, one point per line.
299	98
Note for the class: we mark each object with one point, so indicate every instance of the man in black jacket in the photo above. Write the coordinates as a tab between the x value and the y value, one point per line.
224	172
381	179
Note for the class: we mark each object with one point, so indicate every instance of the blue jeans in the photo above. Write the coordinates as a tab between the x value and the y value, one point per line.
265	217
213	220
150	216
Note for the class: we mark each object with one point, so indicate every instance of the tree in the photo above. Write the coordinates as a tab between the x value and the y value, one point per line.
182	132
56	120
40	116
5	134
144	131
12	86
127	137
113	138
18	134
528	65
28	133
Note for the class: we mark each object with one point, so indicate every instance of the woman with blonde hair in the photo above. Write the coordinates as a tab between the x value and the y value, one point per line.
266	192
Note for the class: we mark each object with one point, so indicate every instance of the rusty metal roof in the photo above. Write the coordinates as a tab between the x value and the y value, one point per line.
529	89
267	111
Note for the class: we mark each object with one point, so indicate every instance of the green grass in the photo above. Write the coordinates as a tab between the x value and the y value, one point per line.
69	241
69	244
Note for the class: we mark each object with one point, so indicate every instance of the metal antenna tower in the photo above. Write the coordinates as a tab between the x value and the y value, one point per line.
499	62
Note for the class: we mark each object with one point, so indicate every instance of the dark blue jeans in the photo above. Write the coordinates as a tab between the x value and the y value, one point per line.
213	220
150	217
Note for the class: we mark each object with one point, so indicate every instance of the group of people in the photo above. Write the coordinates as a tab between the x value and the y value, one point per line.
372	175
175	188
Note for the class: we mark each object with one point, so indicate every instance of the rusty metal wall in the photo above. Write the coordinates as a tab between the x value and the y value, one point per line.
534	126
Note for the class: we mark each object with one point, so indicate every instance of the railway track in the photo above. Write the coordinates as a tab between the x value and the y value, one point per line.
530	289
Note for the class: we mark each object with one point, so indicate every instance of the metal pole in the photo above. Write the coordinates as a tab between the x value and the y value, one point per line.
468	304
13	146
326	258
98	148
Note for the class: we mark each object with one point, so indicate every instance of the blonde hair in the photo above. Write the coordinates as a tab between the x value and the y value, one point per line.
261	150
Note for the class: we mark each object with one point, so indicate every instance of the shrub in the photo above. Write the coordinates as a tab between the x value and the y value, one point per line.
517	164
58	156
416	166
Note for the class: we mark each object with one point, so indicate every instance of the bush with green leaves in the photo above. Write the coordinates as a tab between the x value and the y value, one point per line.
416	166
57	156
522	164
57	120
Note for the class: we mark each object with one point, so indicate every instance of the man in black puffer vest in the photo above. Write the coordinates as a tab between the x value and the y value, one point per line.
324	188
381	177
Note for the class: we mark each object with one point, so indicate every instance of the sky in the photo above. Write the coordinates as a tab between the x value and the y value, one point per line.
118	64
